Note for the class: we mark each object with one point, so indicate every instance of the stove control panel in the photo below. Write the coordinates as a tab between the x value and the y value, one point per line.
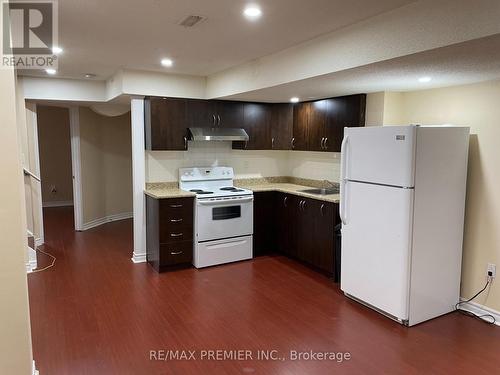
206	173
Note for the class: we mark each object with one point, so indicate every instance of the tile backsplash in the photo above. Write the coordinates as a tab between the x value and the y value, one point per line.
163	166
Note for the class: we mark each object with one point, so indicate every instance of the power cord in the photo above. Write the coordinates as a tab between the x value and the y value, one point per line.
47	267
477	316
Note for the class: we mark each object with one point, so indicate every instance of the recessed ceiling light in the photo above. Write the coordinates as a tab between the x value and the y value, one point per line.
252	12
57	50
90	75
167	62
51	71
424	79
294	99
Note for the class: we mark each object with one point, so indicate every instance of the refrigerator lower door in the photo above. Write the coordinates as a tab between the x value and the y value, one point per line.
376	242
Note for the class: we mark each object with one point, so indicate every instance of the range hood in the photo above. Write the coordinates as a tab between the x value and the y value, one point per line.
217	134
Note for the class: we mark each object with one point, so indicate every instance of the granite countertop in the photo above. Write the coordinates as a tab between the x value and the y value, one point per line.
290	188
159	190
288	185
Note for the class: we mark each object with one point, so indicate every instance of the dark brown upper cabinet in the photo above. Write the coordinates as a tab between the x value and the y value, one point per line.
214	113
281	126
308	126
344	111
300	138
257	124
166	124
229	113
319	125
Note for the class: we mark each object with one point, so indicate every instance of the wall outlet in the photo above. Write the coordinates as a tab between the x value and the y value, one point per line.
491	271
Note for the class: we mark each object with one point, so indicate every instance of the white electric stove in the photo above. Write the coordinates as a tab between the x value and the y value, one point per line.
223	215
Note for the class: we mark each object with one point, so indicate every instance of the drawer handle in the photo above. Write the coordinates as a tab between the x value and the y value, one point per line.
176	234
175	220
176	252
175	205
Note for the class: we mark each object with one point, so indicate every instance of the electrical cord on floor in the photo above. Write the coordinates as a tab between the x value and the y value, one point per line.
484	318
47	267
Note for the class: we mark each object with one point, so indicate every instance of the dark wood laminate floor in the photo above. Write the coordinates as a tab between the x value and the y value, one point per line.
96	312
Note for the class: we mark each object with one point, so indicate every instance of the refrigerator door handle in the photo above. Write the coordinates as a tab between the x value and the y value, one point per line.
343	180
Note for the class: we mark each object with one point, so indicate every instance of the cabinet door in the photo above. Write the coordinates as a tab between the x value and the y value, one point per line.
317	125
229	114
300	126
305	229
166	124
263	223
281	126
324	235
345	111
257	117
201	113
286	215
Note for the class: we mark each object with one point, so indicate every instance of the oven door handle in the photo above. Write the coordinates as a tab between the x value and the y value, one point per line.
225	201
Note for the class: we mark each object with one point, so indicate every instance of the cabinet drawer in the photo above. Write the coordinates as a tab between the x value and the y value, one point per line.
176	233
182	207
176	253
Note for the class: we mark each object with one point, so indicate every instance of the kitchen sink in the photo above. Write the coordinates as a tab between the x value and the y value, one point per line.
321	191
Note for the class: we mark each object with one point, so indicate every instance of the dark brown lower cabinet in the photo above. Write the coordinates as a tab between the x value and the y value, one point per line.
298	227
169	232
263	223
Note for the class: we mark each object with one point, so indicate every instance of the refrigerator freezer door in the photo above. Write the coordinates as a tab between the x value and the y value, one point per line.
383	155
376	238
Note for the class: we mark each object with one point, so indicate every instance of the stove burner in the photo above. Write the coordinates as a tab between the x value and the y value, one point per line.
199	191
231	189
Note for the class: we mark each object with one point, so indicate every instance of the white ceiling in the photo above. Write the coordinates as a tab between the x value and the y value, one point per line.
462	63
102	37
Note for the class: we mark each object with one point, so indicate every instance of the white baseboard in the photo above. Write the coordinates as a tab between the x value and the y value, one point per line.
138	257
31	264
107	219
478	309
57	204
39	241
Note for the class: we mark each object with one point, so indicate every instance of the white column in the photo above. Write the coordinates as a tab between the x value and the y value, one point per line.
139	180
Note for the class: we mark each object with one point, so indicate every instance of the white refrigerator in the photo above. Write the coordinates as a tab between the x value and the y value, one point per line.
402	202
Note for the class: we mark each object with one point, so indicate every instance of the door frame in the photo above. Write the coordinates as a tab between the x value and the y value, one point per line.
76	165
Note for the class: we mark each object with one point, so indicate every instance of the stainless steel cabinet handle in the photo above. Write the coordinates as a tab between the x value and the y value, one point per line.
284	201
176	234
185	143
321	209
213	120
175	205
303	205
175	220
272	142
326	143
176	252
322	146
218	116
292	143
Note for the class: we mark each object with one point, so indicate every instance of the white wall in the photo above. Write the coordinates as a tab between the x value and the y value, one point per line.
15	332
162	166
477	106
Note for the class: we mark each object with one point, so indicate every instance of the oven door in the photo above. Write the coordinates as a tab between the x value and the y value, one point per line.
225	218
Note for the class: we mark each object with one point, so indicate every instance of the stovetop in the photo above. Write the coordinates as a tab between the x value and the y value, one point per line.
210	182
